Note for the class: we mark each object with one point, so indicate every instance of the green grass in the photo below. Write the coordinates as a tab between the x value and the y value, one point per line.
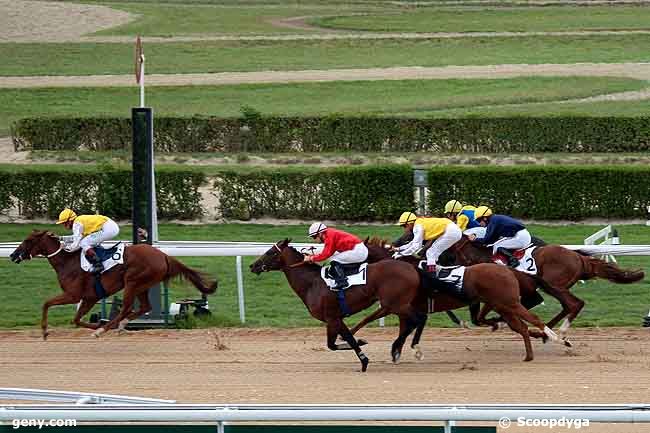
496	19
269	300
591	109
307	99
221	56
163	19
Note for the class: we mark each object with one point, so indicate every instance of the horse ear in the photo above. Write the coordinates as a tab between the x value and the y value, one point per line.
287	241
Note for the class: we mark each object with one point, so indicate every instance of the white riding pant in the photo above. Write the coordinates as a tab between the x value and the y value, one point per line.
478	231
520	240
108	231
451	235
358	254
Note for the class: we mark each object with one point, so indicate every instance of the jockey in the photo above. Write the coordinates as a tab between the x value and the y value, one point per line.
505	233
442	231
342	247
88	231
463	216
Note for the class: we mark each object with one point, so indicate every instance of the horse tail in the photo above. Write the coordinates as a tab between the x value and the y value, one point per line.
200	281
594	267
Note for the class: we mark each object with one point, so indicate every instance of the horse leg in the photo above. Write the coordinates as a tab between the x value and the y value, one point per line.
415	343
81	311
145	307
338	327
482	321
129	297
544	330
408	321
575	306
378	314
515	323
61	299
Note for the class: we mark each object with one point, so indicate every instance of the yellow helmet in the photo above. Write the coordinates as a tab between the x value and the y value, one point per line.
453	206
482	211
406	218
66	215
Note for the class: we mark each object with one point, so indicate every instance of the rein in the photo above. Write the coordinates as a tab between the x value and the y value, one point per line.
48	256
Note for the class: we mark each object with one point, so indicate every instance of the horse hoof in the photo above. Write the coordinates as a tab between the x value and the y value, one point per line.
396	357
528	359
361	342
566	342
418	352
45	334
364	364
544	338
99	332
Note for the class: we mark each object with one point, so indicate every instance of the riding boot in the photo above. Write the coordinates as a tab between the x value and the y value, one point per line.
512	260
337	271
98	266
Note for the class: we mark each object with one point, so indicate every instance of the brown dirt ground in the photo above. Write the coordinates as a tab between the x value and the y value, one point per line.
294	366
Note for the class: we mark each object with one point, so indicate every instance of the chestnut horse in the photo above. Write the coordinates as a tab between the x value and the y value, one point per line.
495	285
144	266
558	269
394	284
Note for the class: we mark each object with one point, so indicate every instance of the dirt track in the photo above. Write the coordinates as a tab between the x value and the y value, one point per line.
293	366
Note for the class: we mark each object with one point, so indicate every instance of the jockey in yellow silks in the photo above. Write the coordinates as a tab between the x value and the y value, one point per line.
88	231
463	216
442	231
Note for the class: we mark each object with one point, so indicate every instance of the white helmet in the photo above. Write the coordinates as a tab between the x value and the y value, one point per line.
316	228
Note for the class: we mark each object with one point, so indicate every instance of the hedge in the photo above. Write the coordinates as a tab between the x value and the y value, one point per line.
377	193
350	193
558	192
254	133
44	191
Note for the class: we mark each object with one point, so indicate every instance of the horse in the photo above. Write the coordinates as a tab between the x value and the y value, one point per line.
493	284
144	266
558	269
394	284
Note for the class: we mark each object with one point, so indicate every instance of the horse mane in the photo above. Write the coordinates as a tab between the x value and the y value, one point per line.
313	266
376	241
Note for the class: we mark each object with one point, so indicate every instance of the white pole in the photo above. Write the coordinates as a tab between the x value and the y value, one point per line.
142	81
240	291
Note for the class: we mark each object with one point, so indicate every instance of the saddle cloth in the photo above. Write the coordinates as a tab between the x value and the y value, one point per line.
111	257
448	280
354	279
527	263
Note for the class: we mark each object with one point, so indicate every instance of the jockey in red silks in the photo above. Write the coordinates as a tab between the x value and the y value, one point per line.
343	248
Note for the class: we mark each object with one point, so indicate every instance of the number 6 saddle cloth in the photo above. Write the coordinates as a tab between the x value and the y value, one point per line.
110	257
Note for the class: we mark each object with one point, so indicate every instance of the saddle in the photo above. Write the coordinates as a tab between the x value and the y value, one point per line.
351	269
448	280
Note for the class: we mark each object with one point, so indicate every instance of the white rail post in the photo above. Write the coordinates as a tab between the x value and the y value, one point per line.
449	425
240	291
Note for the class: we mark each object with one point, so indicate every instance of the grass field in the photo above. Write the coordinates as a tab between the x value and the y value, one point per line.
269	300
221	56
496	19
415	97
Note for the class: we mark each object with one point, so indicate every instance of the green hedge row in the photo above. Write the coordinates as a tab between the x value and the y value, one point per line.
351	193
565	192
359	193
45	191
254	133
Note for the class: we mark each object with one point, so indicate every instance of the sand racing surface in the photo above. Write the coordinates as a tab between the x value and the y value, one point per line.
294	366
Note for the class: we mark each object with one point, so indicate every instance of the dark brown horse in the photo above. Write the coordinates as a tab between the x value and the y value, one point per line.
495	285
394	284
558	269
144	266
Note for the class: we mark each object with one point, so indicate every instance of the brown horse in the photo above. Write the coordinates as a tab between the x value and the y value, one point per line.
144	266
558	269
493	284
394	284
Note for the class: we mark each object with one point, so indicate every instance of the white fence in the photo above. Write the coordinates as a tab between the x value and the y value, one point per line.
245	249
219	414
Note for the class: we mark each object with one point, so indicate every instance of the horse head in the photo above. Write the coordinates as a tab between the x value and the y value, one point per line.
38	243
272	260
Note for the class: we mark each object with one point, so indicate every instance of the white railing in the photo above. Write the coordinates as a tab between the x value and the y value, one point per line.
448	414
241	249
75	397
